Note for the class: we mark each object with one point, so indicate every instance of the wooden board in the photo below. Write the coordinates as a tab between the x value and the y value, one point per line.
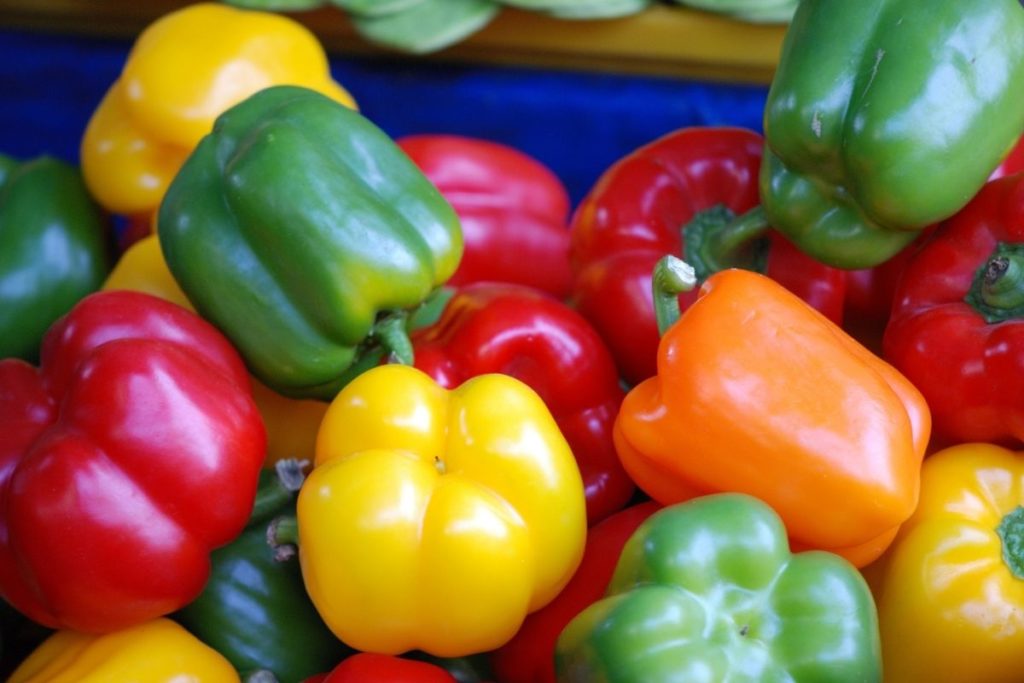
663	40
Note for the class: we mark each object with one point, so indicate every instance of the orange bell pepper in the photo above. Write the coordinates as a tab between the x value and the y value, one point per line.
758	393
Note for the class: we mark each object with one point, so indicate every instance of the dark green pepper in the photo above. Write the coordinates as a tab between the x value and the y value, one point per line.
707	590
885	117
307	236
54	249
254	609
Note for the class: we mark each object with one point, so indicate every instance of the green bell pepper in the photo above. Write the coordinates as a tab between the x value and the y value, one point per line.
707	590
885	117
54	249
254	609
307	236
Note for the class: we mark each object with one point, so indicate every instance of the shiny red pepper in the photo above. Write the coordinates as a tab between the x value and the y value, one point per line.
869	291
514	210
367	667
636	213
523	332
957	324
530	656
126	457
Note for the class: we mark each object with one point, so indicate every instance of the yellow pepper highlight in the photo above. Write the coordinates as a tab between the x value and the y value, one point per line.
950	589
435	519
158	651
183	71
291	424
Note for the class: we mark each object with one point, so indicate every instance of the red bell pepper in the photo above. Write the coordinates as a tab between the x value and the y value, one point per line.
366	667
869	291
523	332
641	208
514	210
530	656
127	456
957	324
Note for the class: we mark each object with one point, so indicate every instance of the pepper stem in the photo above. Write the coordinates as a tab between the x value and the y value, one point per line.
277	488
716	239
260	676
1011	533
428	312
672	276
997	292
283	537
390	333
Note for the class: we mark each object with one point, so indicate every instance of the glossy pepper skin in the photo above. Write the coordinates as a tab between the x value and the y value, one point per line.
291	424
957	325
757	393
644	207
53	249
514	210
367	667
708	590
129	454
254	609
885	117
316	242
527	334
530	656
157	651
870	292
423	501
950	589
183	71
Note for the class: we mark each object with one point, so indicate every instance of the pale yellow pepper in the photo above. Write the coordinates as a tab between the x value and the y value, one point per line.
158	651
434	519
291	424
950	589
183	71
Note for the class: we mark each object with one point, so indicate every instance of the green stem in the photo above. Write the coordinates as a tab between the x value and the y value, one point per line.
1004	277
283	537
997	292
277	489
1011	533
428	313
716	239
391	334
672	276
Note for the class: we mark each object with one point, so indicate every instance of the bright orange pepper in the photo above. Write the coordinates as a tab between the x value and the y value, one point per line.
758	393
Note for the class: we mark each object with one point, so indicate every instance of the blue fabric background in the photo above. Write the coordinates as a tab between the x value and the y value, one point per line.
578	123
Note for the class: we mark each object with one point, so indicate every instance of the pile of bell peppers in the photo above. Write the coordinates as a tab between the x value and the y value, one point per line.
356	408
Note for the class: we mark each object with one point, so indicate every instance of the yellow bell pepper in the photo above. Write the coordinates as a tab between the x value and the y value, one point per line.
158	651
950	589
141	268
183	71
291	424
434	519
